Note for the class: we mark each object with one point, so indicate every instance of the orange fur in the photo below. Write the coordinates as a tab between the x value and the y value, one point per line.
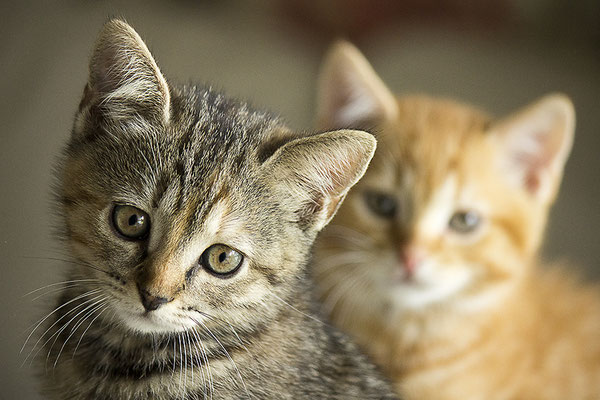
478	318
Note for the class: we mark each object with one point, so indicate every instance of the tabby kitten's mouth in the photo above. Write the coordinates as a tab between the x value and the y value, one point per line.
159	321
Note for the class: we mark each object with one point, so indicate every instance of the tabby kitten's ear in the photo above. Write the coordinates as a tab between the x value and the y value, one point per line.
535	144
124	79
350	93
315	173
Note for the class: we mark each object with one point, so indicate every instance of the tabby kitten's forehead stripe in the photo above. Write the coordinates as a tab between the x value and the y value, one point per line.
431	261
190	218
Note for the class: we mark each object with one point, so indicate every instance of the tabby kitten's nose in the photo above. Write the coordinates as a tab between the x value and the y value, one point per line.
150	301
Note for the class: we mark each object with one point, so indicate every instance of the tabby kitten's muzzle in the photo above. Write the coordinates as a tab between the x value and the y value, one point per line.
151	302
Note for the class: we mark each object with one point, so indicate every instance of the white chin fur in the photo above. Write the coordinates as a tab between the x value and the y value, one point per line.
159	321
430	286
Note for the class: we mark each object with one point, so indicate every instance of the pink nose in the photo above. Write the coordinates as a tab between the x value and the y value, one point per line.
410	257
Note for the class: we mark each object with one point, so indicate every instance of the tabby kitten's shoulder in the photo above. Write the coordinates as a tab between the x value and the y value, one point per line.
431	262
190	217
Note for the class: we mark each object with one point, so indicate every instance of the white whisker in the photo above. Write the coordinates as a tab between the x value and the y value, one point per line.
205	357
94	307
227	354
174	359
56	334
180	361
184	367
222	321
41	321
60	283
187	335
86	329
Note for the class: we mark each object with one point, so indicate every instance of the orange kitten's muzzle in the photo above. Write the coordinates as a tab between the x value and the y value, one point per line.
410	258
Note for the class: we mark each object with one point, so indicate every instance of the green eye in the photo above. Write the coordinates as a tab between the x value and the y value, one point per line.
381	204
465	221
131	222
221	259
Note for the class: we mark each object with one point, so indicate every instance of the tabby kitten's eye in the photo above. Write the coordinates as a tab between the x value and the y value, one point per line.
221	259
465	221
131	222
381	204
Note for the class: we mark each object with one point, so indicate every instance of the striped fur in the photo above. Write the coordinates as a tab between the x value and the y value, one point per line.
207	170
474	316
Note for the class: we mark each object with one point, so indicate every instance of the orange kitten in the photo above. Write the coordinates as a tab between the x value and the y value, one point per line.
431	262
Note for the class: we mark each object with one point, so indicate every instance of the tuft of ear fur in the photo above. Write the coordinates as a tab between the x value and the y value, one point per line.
316	172
350	92
123	76
535	144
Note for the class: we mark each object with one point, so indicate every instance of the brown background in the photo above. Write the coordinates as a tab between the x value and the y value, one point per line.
498	54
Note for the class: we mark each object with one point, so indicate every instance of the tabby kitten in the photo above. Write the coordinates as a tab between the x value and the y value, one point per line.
190	217
431	261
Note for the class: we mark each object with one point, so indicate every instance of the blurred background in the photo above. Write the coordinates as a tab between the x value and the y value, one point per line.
498	54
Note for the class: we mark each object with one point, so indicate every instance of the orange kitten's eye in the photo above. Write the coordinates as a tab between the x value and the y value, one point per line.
381	204
221	259
131	222
465	221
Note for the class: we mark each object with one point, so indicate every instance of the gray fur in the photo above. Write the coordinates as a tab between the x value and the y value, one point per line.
206	169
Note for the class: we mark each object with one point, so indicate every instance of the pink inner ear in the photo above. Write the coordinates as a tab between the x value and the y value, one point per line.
536	144
349	107
532	182
534	161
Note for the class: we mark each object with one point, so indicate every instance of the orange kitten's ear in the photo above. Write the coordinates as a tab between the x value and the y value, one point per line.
313	174
535	144
124	77
350	92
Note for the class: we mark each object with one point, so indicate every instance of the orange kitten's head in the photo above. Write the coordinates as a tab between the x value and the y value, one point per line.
454	203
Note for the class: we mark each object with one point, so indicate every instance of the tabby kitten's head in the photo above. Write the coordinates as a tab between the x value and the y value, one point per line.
454	204
183	207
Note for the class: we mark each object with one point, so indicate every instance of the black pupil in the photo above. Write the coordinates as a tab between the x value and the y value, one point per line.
133	220
382	204
385	204
222	257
